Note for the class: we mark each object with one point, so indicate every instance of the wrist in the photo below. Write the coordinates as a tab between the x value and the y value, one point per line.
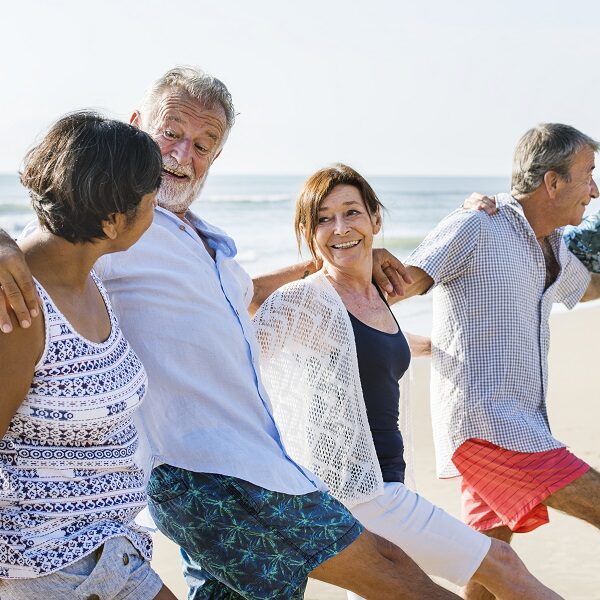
311	266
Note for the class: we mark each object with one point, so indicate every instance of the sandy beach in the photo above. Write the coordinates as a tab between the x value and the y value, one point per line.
564	554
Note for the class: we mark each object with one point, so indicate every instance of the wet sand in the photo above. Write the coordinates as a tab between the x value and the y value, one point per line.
564	554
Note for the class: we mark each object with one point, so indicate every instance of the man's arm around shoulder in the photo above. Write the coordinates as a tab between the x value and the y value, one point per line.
421	283
388	273
444	253
18	289
265	285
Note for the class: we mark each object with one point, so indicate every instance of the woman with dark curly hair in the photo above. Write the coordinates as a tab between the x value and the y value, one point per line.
70	489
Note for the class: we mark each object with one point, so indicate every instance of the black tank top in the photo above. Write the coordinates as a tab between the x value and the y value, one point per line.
382	360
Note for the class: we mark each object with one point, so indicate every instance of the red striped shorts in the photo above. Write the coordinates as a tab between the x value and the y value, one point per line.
504	487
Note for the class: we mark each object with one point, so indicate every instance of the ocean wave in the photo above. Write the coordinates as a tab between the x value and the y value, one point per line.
402	242
15	208
248	256
249	198
13	224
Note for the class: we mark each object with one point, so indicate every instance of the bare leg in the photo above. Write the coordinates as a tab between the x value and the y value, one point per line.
581	498
165	594
503	573
475	591
377	570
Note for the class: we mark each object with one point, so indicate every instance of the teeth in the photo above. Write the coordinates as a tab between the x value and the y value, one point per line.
172	172
345	245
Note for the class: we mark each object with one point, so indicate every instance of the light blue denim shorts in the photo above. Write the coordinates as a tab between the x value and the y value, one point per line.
115	571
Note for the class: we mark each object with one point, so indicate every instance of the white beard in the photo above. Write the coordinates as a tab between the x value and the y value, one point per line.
177	196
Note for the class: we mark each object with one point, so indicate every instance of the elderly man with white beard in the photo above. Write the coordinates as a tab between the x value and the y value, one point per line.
251	523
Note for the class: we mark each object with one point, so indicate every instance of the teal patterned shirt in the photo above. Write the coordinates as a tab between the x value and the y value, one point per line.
584	242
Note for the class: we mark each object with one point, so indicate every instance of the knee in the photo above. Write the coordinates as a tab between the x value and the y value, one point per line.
384	547
502	552
501	558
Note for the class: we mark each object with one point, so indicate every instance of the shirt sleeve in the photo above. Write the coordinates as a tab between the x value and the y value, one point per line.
32	226
244	280
574	280
448	251
102	267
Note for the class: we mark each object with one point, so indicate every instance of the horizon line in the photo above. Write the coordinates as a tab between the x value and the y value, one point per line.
266	174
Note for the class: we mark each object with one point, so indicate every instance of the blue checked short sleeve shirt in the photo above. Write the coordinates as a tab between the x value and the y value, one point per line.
490	331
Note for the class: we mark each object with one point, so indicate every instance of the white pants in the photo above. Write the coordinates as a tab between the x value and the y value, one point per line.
440	544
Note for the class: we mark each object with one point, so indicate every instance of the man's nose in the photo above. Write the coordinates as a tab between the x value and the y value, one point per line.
182	152
594	193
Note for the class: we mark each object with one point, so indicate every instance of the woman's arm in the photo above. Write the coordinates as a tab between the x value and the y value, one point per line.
19	353
265	285
388	272
419	345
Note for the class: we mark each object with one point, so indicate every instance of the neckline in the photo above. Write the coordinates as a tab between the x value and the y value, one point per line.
353	317
321	274
113	328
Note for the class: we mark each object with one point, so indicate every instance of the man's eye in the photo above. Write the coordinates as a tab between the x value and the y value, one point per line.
201	148
168	133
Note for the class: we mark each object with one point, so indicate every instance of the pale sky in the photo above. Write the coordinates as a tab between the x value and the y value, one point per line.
389	86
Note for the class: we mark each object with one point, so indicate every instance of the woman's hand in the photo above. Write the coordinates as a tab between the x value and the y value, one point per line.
480	202
18	292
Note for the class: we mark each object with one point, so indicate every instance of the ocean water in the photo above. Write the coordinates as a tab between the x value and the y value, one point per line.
258	212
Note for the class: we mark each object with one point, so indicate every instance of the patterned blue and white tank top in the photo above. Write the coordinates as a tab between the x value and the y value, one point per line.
68	481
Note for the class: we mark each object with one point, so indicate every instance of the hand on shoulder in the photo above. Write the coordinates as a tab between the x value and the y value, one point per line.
18	290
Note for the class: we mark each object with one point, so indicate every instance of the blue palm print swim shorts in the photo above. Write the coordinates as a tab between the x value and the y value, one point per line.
239	540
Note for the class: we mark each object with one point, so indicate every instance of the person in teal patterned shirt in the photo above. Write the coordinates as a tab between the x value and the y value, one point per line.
584	242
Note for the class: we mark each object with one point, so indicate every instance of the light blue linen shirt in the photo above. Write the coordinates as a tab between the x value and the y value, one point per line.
186	316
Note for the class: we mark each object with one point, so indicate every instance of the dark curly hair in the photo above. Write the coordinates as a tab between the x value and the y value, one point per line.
86	168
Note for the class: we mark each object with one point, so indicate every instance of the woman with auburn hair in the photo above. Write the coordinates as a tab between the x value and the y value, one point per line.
70	382
332	355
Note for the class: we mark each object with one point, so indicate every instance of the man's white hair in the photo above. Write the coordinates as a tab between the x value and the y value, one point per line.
208	90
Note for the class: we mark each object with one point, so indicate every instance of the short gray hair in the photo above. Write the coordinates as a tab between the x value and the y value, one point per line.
547	147
208	90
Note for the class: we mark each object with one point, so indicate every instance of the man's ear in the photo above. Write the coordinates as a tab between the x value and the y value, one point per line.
136	119
113	225
552	181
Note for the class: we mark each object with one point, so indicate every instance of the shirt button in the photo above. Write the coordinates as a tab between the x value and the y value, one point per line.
125	559
93	597
182	227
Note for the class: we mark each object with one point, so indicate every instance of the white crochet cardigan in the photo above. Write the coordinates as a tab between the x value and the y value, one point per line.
310	370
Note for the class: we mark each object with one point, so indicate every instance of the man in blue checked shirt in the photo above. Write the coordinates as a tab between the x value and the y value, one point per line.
496	277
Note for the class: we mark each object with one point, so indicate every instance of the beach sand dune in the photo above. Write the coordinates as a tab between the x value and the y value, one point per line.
564	554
